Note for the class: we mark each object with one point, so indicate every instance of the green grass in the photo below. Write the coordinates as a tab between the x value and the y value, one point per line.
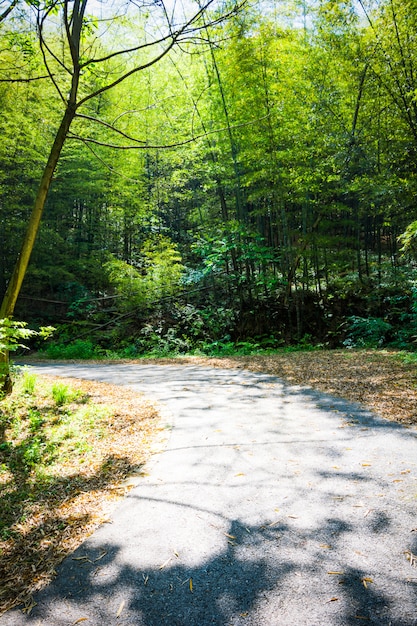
61	456
40	443
61	394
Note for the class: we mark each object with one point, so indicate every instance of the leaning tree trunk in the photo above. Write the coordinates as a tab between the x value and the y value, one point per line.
73	21
16	280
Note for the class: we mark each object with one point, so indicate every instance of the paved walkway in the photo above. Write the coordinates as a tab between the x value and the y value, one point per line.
270	505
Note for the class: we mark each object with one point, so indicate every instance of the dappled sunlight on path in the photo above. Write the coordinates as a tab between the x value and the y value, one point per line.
269	505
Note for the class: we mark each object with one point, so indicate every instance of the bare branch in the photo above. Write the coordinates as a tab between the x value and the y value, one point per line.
112	55
186	31
110	126
148	146
111	168
133	71
23	80
172	34
43	47
7	11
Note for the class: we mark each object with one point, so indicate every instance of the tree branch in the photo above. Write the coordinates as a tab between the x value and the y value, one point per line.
23	80
146	146
110	126
9	9
186	31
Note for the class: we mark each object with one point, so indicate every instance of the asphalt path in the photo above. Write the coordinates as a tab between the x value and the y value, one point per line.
269	505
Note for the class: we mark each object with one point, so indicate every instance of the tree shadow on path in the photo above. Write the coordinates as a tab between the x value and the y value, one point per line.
268	575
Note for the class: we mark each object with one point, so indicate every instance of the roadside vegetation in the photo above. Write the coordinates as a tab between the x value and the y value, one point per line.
66	448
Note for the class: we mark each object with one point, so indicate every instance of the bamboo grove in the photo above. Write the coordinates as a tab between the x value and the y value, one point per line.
256	185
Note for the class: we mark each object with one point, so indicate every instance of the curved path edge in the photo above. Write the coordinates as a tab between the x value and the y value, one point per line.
270	505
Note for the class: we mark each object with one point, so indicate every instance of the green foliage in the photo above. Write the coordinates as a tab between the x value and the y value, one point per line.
157	275
12	333
366	332
28	383
408	239
61	394
287	221
410	358
229	348
78	349
156	342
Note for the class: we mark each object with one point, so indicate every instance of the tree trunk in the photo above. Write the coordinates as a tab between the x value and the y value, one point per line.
15	283
16	280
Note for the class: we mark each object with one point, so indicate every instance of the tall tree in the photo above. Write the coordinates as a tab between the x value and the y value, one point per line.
81	70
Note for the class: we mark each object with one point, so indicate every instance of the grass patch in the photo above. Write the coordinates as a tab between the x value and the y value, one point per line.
62	394
65	449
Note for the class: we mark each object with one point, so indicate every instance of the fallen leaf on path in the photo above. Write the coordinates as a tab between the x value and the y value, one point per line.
119	612
332	600
191	585
411	557
365	580
336	573
79	620
165	563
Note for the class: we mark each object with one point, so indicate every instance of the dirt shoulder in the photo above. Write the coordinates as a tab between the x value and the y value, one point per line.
377	379
58	514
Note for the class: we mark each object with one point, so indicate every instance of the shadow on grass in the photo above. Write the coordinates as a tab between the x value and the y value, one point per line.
43	520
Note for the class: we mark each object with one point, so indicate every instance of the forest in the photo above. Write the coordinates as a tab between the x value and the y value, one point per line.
229	177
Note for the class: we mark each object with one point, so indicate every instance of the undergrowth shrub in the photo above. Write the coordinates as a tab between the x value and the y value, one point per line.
60	393
362	332
78	349
28	383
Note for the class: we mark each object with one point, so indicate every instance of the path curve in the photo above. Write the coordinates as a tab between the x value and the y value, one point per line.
270	505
